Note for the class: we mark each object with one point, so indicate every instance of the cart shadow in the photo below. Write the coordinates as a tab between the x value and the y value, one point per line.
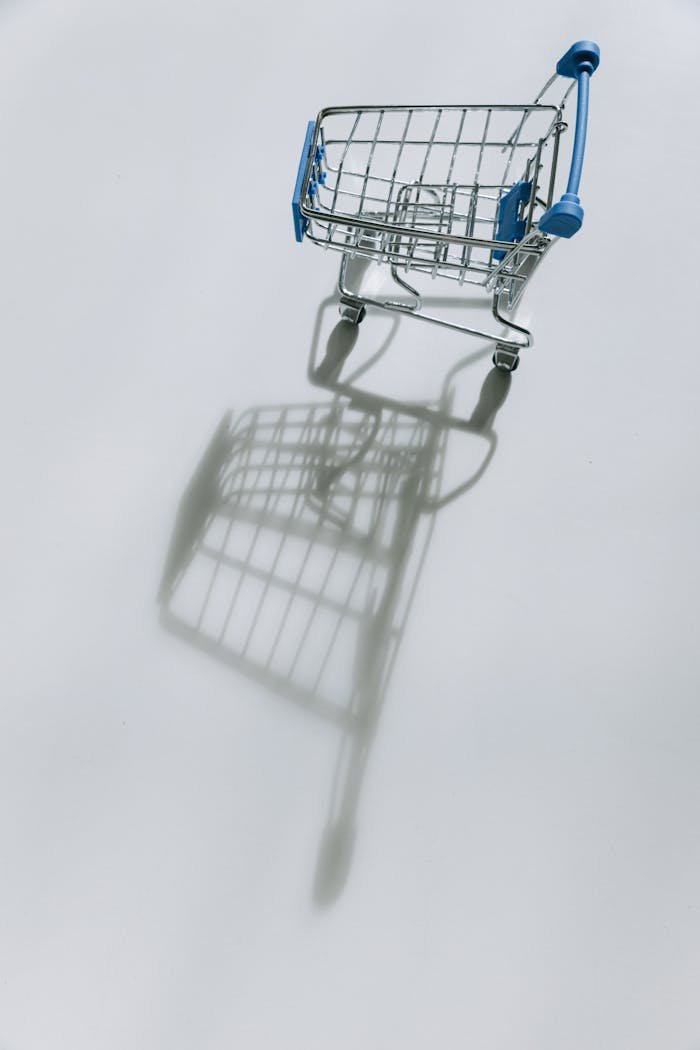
297	549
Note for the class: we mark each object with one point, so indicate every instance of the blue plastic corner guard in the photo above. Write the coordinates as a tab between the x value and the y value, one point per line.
510	227
300	221
580	62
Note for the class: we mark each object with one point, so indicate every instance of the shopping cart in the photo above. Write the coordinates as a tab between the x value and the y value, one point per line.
458	192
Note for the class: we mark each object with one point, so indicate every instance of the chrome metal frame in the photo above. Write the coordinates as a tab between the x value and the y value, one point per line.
415	186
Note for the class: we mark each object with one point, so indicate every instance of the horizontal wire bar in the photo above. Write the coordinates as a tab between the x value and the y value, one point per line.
331	111
425	142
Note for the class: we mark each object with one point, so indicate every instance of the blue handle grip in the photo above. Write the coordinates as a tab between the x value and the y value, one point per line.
580	62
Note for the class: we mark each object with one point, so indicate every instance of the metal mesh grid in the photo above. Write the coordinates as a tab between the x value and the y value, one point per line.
305	550
431	173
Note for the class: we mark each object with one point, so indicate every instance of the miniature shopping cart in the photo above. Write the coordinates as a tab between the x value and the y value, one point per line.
458	192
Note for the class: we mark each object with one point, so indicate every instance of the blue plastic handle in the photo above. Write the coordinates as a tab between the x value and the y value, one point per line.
580	62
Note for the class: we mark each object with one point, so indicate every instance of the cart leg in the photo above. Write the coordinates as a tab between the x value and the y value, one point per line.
507	358
352	311
506	354
351	306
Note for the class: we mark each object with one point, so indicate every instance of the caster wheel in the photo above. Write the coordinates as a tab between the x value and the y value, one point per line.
352	312
506	362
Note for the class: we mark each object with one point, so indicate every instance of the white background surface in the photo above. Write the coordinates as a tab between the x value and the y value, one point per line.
527	868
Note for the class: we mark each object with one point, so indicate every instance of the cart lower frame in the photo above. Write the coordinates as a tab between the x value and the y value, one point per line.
506	295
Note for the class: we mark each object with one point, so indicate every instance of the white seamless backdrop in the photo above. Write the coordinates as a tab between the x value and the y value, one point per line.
526	863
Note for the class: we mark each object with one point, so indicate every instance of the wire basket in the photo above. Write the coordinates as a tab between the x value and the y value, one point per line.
458	192
435	176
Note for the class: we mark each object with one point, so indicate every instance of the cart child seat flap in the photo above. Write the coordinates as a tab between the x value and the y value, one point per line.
510	227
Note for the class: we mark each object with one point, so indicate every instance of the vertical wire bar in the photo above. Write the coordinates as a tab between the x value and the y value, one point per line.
467	250
396	168
369	161
456	145
483	144
428	149
450	169
535	186
471	219
558	130
416	212
339	173
430	145
450	222
513	146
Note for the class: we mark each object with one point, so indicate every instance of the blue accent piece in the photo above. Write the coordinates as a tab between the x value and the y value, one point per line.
580	62
510	227
564	218
583	56
301	223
